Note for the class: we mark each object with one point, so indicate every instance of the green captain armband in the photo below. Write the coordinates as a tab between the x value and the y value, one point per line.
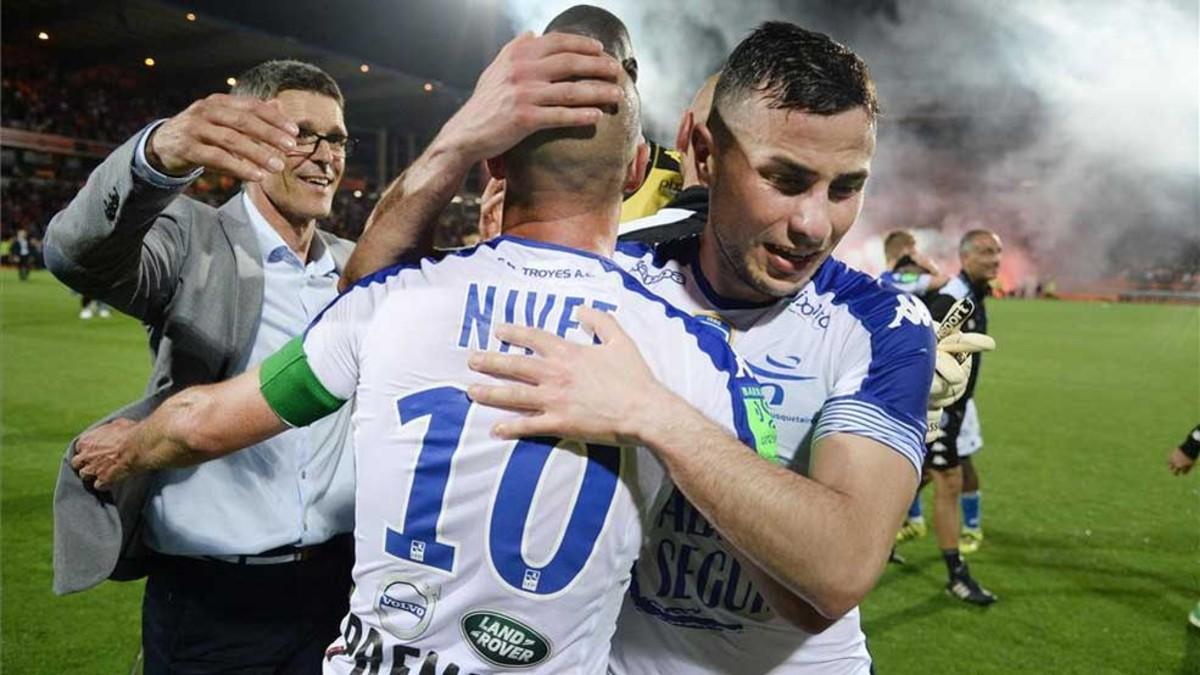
292	389
762	425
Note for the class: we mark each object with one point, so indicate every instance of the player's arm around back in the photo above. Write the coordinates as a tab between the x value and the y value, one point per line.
196	425
308	378
824	538
825	544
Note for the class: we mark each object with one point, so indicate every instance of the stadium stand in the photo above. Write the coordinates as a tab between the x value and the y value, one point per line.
99	107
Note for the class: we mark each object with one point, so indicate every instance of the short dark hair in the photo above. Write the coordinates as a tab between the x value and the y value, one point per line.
267	79
602	25
796	69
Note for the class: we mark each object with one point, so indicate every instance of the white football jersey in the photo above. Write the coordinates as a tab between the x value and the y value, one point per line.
844	355
470	551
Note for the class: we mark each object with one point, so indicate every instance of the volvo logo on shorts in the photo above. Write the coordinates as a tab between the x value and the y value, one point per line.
504	641
405	607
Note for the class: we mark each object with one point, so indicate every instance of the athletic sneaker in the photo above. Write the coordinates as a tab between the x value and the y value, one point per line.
970	539
913	528
85	313
104	313
964	587
1194	616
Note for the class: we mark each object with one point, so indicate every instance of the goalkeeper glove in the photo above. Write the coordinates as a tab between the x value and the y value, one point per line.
952	370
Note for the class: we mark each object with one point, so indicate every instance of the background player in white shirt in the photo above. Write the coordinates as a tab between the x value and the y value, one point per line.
486	552
786	177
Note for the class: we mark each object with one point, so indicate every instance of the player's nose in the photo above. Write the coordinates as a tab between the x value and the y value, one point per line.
811	220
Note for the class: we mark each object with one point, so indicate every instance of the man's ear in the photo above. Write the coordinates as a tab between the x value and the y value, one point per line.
686	123
496	167
703	153
635	173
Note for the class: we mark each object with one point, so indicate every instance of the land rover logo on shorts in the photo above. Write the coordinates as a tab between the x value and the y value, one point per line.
405	607
504	641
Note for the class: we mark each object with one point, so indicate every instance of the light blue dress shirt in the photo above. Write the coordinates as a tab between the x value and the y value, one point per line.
294	489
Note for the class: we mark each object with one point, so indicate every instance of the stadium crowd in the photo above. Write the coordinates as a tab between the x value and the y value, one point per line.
102	102
109	104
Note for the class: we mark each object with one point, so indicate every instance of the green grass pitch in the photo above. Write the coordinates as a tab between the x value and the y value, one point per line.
1093	548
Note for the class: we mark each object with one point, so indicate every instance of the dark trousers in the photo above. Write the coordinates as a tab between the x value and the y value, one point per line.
201	616
24	265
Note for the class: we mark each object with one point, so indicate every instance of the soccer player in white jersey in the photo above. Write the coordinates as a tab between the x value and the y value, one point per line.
474	552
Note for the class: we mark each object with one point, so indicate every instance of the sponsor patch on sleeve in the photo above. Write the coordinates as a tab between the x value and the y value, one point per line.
758	418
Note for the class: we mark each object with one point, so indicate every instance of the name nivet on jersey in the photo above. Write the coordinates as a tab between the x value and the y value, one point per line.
487	304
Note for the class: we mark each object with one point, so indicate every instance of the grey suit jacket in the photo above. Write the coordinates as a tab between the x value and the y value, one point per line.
193	275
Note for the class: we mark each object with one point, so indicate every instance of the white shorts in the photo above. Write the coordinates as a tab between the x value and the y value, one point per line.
970	435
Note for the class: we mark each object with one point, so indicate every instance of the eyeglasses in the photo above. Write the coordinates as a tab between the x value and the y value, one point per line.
307	142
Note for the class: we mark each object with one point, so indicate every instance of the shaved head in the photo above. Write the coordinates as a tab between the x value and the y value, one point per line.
601	25
592	161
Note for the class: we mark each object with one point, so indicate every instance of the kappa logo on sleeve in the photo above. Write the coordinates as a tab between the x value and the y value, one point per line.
504	641
911	310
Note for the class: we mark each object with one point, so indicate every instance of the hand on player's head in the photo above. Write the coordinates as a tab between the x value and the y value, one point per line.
239	135
535	83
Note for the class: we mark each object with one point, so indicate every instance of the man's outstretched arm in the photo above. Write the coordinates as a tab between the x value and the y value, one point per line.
824	539
555	80
196	425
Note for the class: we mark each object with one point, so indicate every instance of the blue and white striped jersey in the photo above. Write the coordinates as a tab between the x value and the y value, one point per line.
847	354
493	554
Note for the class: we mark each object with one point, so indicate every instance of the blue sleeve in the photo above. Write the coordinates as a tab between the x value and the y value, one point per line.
889	403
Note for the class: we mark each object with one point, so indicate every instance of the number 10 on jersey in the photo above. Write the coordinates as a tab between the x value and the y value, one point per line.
447	408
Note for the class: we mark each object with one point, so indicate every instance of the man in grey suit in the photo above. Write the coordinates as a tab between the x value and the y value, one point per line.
248	559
